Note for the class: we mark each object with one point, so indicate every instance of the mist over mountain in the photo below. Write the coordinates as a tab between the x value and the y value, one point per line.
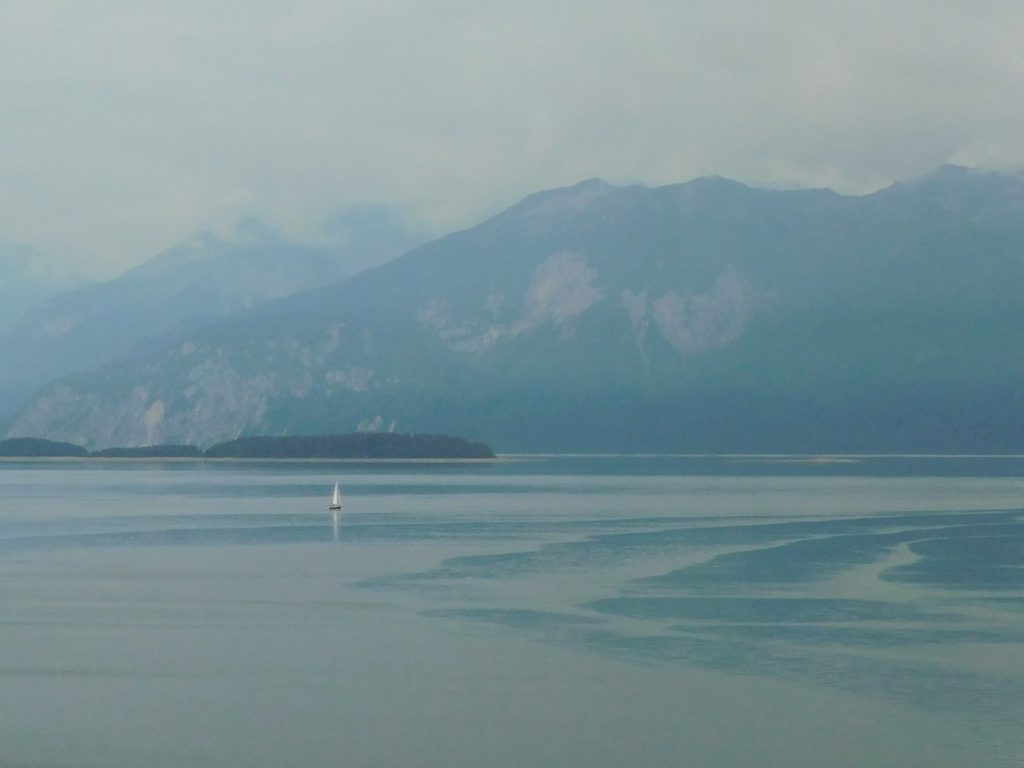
185	287
25	281
706	316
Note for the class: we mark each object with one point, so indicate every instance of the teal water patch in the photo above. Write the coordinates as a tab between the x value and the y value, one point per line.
981	560
763	609
887	637
806	561
520	618
799	551
769	651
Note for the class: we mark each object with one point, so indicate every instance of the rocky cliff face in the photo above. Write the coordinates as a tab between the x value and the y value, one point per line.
701	316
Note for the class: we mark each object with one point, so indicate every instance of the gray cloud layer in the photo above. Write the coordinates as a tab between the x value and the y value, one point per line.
125	127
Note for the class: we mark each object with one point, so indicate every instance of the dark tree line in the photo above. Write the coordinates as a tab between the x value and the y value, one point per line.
360	445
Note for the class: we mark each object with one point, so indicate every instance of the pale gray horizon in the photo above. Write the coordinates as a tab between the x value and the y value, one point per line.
127	128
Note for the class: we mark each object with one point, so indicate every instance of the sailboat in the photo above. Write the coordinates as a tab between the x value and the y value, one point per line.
336	498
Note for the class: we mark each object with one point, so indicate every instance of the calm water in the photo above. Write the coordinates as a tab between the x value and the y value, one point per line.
545	611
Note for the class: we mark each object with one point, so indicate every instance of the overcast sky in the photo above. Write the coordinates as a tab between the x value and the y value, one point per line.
125	127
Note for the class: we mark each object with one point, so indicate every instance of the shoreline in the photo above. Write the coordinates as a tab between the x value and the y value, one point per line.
240	460
768	458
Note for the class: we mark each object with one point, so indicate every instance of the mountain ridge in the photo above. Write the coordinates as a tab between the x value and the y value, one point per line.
181	288
706	315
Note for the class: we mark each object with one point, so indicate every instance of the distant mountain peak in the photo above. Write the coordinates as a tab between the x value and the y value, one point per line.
594	184
553	202
253	228
956	188
952	171
211	275
949	174
716	182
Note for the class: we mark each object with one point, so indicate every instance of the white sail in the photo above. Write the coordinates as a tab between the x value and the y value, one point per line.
336	498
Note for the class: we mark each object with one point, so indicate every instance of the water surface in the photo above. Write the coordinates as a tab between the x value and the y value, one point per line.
572	611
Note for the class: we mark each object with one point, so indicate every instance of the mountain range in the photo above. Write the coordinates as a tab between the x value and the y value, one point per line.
705	316
184	287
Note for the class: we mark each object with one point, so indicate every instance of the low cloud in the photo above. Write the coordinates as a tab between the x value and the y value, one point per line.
126	128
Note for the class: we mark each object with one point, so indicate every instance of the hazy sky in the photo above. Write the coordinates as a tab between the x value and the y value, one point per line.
127	126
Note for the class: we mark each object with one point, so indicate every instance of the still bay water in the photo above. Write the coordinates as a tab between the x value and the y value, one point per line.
532	611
